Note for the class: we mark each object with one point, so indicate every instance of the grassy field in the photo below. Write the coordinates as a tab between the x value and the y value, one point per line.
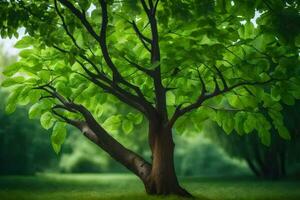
122	187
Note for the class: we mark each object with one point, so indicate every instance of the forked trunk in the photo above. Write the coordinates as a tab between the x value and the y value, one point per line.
162	179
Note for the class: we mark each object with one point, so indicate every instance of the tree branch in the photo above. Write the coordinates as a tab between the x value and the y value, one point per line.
117	78
81	17
142	38
216	92
160	91
155	7
97	134
110	87
75	123
147	10
65	25
221	77
146	71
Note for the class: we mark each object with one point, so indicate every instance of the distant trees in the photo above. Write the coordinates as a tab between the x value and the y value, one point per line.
197	156
268	162
24	145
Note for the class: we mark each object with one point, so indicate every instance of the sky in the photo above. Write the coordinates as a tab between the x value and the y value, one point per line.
8	44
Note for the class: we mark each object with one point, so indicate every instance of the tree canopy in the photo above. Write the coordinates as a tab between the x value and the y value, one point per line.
174	63
214	58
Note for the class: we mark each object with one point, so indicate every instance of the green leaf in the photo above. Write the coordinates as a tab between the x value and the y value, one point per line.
44	75
240	118
25	42
249	124
284	132
58	136
127	126
47	120
288	99
10	108
12	81
34	96
34	111
26	53
275	93
12	69
112	123
265	137
12	99
63	89
23	98
228	124
219	118
181	124
170	98
135	118
78	35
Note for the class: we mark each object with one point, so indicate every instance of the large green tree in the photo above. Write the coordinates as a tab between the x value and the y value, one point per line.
175	63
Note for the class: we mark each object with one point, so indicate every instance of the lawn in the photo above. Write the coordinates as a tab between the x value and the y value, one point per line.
123	186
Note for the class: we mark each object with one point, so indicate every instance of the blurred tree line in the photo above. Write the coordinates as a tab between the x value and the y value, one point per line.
25	148
278	160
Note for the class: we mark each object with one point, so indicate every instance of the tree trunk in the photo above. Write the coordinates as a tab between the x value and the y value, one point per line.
162	179
252	166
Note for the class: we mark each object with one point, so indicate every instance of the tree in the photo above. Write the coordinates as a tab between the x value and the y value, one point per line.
175	63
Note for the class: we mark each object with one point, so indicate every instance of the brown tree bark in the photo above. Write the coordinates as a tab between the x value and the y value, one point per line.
162	179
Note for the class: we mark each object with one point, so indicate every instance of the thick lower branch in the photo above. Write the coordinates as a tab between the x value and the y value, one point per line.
94	132
126	157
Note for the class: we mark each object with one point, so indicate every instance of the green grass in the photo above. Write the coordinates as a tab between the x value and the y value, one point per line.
122	187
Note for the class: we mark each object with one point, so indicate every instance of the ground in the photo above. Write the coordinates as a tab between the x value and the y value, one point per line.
123	186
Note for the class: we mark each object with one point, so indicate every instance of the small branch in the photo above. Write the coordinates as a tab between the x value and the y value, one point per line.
75	123
155	7
139	33
204	90
150	4
221	77
81	17
147	71
60	49
142	38
45	97
65	25
217	88
147	10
